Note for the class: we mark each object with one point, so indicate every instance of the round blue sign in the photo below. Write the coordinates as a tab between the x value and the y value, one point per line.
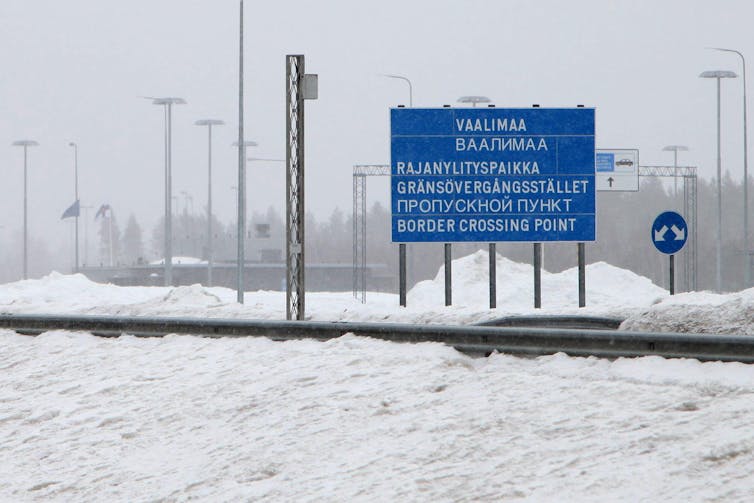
669	232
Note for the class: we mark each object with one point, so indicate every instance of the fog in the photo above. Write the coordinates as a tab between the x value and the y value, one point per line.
76	71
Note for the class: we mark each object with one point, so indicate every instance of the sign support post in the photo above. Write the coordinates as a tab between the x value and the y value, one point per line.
581	247
493	276
402	274
672	275
448	275
300	86
537	275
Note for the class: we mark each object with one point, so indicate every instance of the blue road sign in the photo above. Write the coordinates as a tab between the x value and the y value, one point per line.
494	174
669	232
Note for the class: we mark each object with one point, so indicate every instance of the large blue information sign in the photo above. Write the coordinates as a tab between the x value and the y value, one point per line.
494	174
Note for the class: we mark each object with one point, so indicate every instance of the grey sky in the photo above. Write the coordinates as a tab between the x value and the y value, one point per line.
73	71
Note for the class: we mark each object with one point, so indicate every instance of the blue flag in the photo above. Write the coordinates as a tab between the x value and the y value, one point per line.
72	211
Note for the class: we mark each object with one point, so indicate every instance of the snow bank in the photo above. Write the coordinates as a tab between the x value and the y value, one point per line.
698	312
355	419
610	290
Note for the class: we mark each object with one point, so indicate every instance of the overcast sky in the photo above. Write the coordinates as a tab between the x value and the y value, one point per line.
74	71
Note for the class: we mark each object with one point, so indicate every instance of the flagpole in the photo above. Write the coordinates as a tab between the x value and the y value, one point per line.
76	191
110	233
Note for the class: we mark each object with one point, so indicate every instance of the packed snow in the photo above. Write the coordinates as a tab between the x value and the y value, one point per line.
355	419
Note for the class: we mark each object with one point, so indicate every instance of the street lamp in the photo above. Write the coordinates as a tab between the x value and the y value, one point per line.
473	100
410	88
25	144
746	171
718	74
76	191
209	123
168	103
241	230
675	149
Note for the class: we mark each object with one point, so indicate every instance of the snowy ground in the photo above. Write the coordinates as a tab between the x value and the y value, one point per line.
611	292
354	419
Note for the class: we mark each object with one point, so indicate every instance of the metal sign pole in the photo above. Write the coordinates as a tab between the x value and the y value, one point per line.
493	276
537	275
448	275
402	274
672	275
299	87
582	273
295	188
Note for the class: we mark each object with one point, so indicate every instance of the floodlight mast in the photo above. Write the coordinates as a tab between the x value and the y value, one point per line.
240	258
168	103
25	144
717	75
210	252
241	221
747	269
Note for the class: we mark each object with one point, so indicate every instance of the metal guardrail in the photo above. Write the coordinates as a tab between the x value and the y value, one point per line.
555	321
472	339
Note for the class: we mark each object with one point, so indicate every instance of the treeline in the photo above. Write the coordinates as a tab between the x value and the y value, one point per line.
623	239
624	222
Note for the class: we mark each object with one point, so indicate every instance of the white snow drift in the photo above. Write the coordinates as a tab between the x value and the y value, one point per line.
353	419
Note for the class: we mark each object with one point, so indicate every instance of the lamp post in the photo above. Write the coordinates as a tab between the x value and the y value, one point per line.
491	247
403	250
241	230
410	88
25	144
76	192
718	74
167	104
473	100
675	149
209	123
747	269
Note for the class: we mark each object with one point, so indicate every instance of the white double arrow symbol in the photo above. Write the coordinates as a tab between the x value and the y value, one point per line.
680	234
